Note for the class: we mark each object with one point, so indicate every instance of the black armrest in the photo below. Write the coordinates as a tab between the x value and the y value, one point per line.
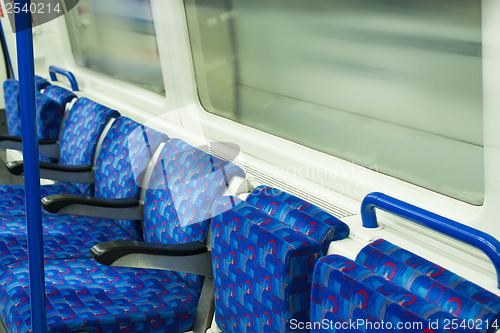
65	168
67	173
13	138
15	167
192	257
47	141
108	252
116	209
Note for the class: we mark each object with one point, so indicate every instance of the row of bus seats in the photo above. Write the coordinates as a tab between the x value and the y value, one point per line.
51	101
147	207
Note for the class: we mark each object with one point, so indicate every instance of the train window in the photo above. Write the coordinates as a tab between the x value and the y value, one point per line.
117	38
391	85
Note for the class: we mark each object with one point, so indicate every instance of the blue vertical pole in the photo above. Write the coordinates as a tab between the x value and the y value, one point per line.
24	37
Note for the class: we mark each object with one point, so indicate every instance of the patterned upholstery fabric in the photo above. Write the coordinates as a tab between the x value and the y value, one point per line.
264	251
65	237
83	125
122	161
69	226
299	214
14	249
444	289
12	197
83	296
41	83
344	291
387	283
183	186
11	95
59	94
49	117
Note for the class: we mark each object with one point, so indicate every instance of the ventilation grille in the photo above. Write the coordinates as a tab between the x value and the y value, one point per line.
262	178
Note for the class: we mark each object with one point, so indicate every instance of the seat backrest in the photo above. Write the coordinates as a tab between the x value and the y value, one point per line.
12	110
122	161
49	115
80	134
299	214
389	284
262	269
59	94
264	252
184	184
41	83
11	95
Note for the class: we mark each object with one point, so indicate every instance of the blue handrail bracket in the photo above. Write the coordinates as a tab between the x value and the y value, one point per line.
53	70
476	238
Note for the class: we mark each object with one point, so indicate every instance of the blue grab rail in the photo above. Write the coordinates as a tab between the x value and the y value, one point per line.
476	238
53	70
24	39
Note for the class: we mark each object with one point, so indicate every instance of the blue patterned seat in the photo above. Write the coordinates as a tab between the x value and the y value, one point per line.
387	283
264	251
82	295
80	133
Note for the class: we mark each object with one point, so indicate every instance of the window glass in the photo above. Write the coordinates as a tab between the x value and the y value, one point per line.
117	38
391	85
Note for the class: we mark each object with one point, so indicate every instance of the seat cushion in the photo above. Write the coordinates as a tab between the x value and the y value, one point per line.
67	225
82	295
74	243
12	197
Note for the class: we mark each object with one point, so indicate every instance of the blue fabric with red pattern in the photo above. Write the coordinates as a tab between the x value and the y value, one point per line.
389	284
122	161
437	285
12	197
64	237
299	214
11	96
82	295
13	112
183	186
83	125
49	115
41	83
264	251
60	95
